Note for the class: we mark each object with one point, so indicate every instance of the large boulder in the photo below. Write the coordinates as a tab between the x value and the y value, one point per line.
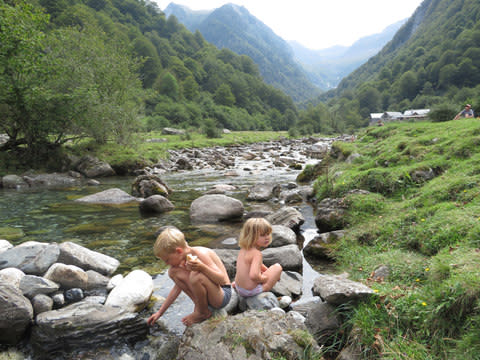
52	180
322	246
13	182
147	185
74	254
287	216
92	167
249	335
282	235
338	290
289	256
229	259
261	192
212	208
84	325
31	257
133	292
324	322
290	284
68	276
5	245
330	215
156	204
11	275
16	314
110	196
32	285
172	131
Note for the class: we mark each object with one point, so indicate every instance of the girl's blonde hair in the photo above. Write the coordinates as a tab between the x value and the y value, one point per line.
252	230
168	240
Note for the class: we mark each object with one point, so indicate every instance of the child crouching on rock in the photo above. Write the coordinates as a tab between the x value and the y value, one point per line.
198	271
252	276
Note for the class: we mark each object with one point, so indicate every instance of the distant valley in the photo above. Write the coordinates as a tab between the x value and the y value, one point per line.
327	67
300	72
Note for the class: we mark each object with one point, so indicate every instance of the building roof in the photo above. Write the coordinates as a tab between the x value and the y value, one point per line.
414	112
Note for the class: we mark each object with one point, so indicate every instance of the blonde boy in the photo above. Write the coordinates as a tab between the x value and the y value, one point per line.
198	271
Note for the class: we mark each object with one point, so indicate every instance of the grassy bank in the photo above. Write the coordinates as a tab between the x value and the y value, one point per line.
422	220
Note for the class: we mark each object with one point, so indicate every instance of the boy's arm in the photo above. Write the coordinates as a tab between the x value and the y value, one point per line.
255	272
172	296
212	266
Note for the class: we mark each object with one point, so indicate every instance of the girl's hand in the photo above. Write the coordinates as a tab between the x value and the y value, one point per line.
263	279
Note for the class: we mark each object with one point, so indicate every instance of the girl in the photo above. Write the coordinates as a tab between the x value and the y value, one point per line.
252	276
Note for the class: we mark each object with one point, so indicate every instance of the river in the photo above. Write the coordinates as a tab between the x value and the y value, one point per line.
51	215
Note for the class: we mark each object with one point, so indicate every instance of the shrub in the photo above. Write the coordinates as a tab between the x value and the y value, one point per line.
444	112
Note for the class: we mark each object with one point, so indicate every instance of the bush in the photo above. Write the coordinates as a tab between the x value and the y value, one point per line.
444	112
211	129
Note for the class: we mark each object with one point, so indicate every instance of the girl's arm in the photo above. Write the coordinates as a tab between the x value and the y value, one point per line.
255	272
172	296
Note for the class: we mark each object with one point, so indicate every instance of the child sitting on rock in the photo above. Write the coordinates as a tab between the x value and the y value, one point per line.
198	271
253	277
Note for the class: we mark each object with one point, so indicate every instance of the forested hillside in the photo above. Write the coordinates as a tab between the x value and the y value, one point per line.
233	27
433	61
107	68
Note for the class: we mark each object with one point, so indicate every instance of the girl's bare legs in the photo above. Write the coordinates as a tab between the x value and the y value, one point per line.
273	274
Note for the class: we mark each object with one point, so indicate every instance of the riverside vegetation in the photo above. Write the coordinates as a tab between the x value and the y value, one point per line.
421	220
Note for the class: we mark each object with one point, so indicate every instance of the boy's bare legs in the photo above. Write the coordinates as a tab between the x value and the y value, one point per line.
273	274
201	290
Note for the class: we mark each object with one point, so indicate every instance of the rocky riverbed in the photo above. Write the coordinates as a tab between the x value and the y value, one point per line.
264	186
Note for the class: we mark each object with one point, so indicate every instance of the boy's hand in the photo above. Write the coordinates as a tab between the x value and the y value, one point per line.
153	319
194	264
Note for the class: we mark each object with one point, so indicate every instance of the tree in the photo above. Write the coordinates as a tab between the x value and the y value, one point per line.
408	85
168	86
21	35
92	88
151	66
369	99
224	95
69	84
190	88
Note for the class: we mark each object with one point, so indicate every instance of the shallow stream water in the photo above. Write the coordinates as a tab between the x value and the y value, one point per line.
51	215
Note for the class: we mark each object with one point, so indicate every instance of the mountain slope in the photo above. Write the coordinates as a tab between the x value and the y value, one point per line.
233	27
433	61
440	33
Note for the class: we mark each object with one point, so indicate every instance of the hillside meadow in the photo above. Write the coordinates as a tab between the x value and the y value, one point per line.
421	219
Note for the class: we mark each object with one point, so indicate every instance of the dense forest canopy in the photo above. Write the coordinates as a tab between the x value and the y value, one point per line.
105	69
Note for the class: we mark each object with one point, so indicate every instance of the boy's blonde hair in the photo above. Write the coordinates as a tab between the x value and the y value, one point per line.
252	230
168	240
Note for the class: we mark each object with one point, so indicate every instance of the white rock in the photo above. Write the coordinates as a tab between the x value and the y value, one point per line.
114	281
12	276
133	293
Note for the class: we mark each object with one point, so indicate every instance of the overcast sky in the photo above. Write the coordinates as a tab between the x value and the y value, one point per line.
318	24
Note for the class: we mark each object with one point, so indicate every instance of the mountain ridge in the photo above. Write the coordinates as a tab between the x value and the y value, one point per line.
232	26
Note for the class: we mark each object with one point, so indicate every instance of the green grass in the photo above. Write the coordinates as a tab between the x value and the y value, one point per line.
425	229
